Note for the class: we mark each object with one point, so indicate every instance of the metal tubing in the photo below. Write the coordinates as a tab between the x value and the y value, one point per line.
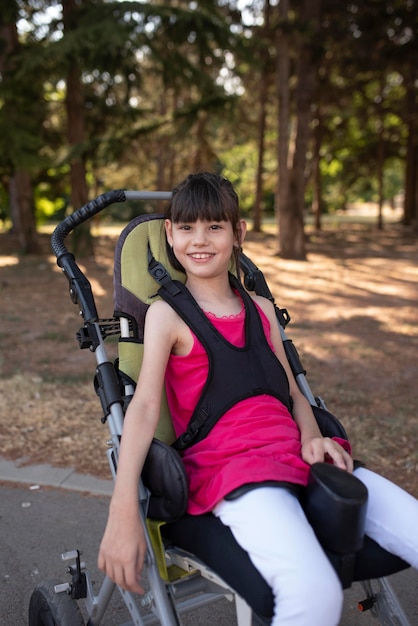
148	195
300	378
98	604
388	606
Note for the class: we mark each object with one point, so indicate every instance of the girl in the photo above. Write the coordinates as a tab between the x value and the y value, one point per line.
256	440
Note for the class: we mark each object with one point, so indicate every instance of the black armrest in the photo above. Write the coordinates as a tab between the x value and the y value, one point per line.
335	505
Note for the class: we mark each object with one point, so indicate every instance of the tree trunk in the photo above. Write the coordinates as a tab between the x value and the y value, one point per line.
317	201
258	200
380	160
411	165
76	134
22	212
263	94
282	49
292	236
20	185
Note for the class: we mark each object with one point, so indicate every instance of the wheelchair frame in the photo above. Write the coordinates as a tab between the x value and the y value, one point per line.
178	581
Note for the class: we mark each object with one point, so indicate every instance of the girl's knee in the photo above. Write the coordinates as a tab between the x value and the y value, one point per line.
324	593
327	596
312	600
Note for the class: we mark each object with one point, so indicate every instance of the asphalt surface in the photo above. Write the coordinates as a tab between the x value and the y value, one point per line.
46	511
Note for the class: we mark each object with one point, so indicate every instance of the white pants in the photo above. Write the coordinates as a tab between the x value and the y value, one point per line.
284	548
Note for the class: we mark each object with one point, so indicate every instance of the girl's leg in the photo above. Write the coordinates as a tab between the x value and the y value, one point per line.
392	516
269	523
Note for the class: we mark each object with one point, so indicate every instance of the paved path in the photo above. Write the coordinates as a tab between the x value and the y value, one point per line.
45	511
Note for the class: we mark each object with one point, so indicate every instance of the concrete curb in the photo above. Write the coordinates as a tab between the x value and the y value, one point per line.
47	475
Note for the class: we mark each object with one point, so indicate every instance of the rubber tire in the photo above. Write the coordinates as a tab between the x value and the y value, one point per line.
47	608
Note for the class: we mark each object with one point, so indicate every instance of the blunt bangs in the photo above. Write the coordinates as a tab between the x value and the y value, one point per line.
204	197
192	208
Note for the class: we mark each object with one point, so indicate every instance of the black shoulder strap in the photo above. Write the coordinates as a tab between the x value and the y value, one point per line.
160	273
240	373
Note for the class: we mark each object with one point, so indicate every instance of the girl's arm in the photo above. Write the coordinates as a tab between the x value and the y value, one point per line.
315	447
123	546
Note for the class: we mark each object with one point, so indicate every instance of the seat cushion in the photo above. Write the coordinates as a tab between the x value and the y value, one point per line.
213	543
206	537
373	561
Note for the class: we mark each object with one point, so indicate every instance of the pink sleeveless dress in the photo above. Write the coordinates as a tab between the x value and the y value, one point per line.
257	440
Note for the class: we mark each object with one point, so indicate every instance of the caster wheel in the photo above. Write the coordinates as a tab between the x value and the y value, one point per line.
47	608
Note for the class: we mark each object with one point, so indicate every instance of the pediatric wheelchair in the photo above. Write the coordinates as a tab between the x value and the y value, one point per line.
192	560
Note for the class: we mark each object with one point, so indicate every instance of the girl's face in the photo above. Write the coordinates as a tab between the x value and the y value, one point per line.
204	248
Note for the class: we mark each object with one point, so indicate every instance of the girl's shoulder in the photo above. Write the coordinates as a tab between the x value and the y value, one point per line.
161	314
160	311
158	306
163	321
265	305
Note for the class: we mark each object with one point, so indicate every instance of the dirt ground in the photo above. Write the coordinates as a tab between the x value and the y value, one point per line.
354	322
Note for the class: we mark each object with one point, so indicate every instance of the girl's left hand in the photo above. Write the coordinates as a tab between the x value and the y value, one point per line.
324	449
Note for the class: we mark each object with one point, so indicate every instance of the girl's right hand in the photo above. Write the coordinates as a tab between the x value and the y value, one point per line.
323	449
122	550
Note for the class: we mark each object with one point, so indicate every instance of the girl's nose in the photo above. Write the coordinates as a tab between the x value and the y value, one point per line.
199	236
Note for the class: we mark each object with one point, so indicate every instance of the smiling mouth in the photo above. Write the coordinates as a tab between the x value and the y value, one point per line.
201	255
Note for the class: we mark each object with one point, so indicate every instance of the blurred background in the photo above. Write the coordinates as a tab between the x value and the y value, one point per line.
308	106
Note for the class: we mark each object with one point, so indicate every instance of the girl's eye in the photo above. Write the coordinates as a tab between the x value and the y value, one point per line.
216	227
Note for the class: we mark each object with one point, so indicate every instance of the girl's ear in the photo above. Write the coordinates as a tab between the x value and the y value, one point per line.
169	231
241	232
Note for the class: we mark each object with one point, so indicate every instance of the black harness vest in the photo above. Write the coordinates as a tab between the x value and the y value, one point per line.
234	373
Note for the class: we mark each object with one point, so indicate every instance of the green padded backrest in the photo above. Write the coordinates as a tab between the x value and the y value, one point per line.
134	290
130	360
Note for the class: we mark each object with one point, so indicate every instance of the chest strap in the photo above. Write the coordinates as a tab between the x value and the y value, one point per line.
235	373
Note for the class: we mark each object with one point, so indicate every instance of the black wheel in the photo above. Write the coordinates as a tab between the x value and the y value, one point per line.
47	608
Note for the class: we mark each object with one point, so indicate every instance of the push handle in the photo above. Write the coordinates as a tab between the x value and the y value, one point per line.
83	214
80	288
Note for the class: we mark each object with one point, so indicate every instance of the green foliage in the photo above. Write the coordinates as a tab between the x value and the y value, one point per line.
48	207
169	87
239	163
4	213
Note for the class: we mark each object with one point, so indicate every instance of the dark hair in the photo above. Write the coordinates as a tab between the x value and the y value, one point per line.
208	197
